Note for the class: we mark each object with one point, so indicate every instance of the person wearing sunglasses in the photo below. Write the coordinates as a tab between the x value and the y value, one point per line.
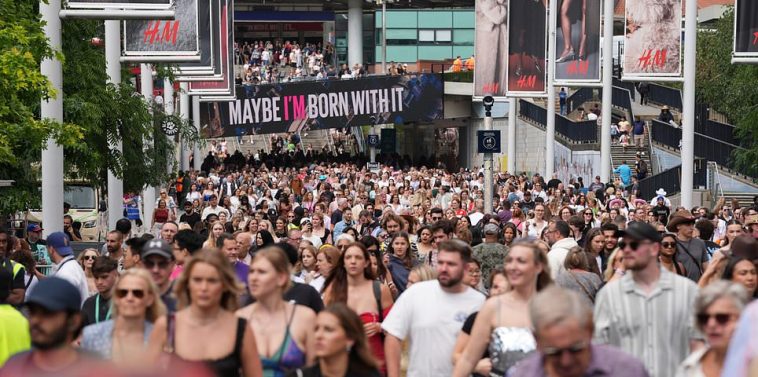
647	311
123	338
86	259
158	258
563	330
717	311
97	308
667	255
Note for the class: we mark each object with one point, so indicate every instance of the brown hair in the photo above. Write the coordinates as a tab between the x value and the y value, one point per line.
360	357
336	282
232	288
331	253
576	259
278	259
540	257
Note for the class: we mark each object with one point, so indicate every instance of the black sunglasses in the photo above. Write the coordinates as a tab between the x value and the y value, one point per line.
89	257
150	264
634	245
572	350
668	244
721	318
137	293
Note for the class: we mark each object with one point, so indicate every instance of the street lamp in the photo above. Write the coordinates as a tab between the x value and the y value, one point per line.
488	101
383	3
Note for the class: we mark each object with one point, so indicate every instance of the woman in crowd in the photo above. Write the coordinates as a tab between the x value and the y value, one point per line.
536	225
352	283
518	219
733	230
86	259
743	271
194	194
400	262
422	272
667	255
263	239
284	332
498	285
566	212
593	247
717	310
343	240
424	243
510	234
578	277
326	258
308	201
319	228
341	348
474	275
207	292
589	219
217	228
503	321
208	192
615	269
306	225
31	273
280	228
307	269
136	306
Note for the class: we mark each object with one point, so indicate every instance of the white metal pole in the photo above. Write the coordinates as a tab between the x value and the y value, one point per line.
607	54
512	114
384	37
550	105
113	68
488	167
688	109
52	108
354	32
198	160
184	111
372	149
148	193
168	108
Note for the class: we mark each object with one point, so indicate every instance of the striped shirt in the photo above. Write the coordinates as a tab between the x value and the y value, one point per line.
656	328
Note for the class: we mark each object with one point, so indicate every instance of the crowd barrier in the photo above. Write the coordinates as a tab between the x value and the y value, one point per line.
628	85
664	95
706	147
578	98
670	180
579	132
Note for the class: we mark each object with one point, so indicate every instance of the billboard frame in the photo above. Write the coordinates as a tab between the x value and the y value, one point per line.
740	57
527	94
661	77
165	56
592	83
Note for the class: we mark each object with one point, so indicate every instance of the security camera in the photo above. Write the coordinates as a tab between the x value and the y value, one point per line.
488	101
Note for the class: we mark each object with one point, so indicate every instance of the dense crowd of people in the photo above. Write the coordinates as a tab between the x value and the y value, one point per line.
296	264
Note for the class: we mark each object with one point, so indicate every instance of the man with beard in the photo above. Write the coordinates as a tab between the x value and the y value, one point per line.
647	313
54	323
610	231
432	313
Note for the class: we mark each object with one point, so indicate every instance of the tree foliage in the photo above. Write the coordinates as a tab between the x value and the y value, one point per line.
94	113
731	89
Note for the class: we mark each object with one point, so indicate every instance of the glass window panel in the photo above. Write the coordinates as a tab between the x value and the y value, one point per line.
444	36
426	35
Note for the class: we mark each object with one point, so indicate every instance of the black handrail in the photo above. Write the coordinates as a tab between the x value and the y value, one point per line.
664	95
621	98
580	132
628	85
717	130
670	180
706	147
578	98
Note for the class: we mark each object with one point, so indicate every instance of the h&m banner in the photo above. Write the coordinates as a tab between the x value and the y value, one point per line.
577	43
178	39
746	29
311	105
119	4
491	48
652	39
527	48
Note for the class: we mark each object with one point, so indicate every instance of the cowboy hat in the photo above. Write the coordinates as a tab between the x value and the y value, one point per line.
661	191
678	218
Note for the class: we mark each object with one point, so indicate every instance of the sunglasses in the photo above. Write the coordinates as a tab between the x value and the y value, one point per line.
137	293
150	264
572	350
721	318
89	257
634	245
668	244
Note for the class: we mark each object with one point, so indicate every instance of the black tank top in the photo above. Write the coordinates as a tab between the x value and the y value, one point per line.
229	365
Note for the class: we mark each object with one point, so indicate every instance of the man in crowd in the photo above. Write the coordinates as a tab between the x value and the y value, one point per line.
648	312
97	308
168	231
491	253
158	258
114	247
563	328
133	251
214	208
347	221
691	251
366	223
66	267
431	313
14	328
558	236
18	286
640	166
189	216
37	243
69	229
611	234
228	245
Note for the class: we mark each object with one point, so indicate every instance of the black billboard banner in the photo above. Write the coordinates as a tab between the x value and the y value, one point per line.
225	86
491	48
577	42
652	39
746	29
527	48
178	38
119	4
311	105
208	44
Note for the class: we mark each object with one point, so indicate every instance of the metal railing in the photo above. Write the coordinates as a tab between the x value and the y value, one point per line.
664	95
578	98
670	180
705	146
628	85
621	98
666	134
717	130
578	132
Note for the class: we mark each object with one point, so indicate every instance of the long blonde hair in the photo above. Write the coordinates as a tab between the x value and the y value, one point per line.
210	242
232	287
154	311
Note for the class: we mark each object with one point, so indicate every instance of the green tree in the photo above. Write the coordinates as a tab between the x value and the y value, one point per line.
731	89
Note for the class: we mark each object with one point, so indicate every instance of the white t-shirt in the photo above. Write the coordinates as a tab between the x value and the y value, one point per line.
70	270
432	319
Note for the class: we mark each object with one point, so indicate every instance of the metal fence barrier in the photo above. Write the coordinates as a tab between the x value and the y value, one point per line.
579	98
664	95
670	180
579	132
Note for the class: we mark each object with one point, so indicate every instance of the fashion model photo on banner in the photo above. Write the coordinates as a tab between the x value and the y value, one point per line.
577	40
527	34
746	28
653	38
491	47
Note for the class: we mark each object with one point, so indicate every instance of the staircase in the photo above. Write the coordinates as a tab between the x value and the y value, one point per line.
744	198
317	139
628	154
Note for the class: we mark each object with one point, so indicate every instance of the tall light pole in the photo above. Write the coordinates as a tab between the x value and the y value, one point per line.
488	101
550	106
384	34
688	108
605	112
113	67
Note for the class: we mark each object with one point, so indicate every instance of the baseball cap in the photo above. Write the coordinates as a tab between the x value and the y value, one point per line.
61	243
305	220
55	295
33	228
491	229
640	231
157	247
